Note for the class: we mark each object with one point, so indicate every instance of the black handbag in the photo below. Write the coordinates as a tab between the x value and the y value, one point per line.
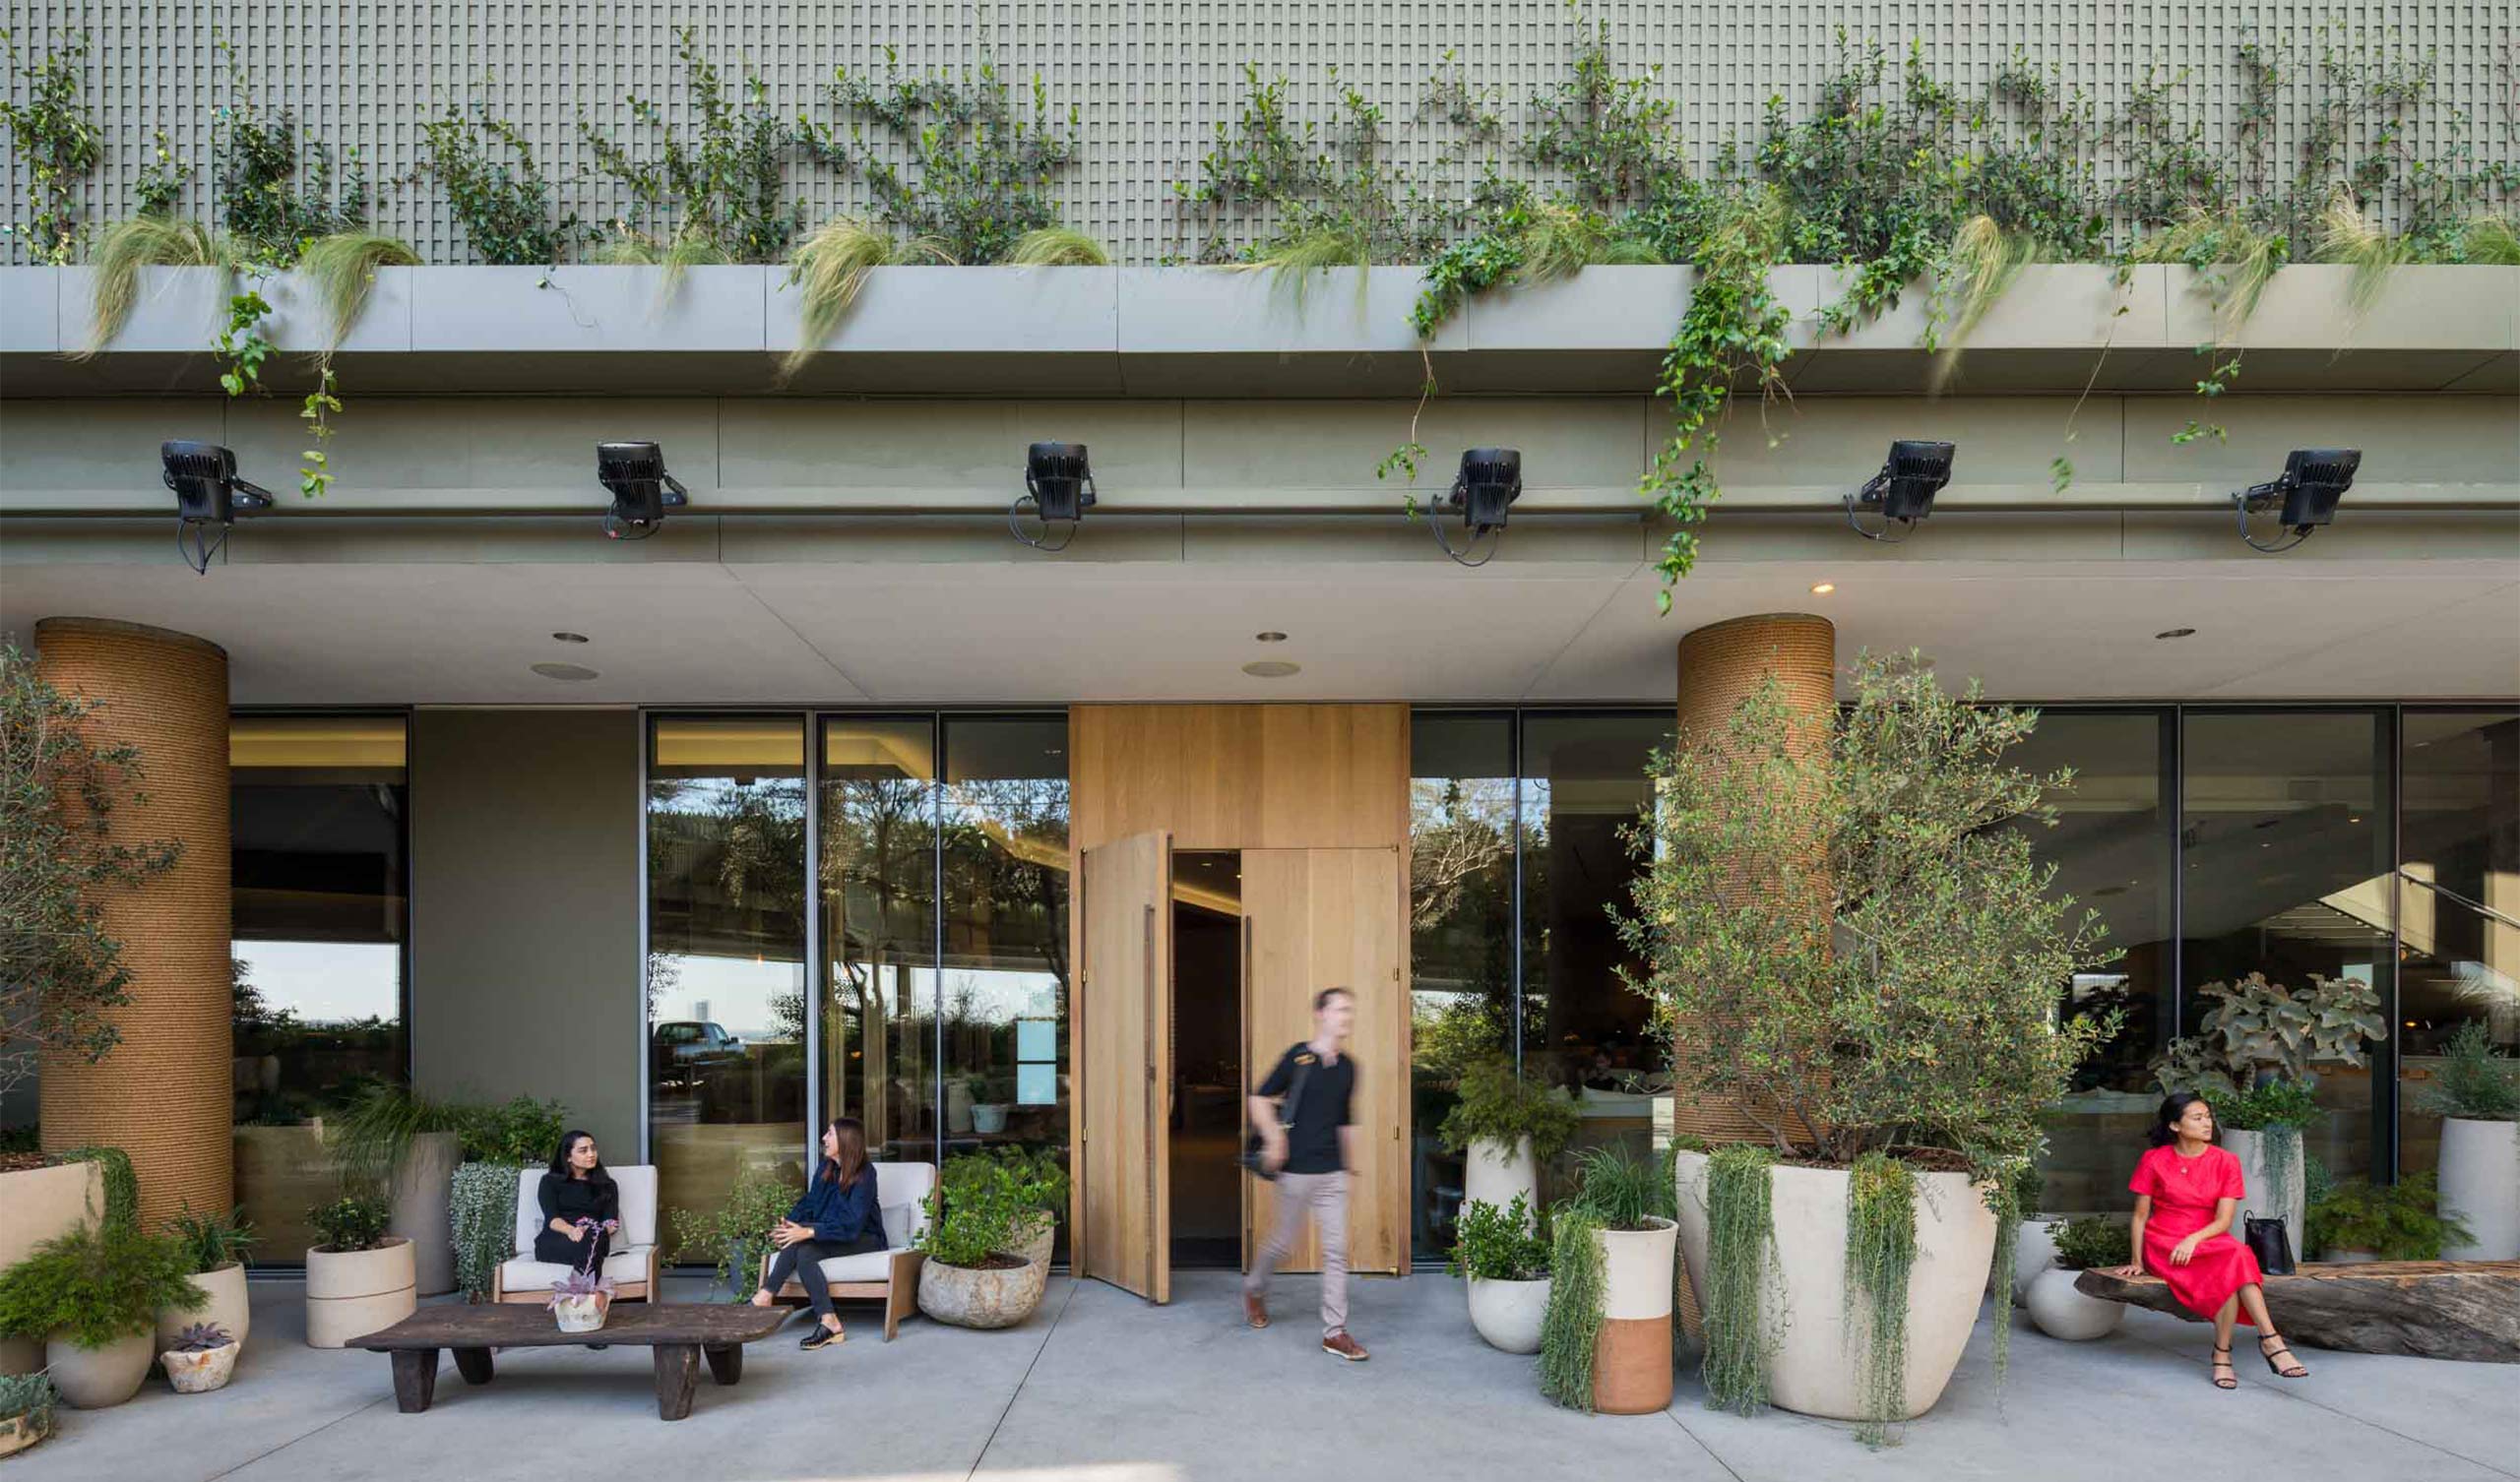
1252	1142
2269	1242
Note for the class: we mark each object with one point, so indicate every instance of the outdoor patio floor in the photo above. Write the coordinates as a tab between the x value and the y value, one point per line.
1102	1387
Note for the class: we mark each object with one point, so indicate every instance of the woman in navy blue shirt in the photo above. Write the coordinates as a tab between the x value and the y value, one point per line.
836	1216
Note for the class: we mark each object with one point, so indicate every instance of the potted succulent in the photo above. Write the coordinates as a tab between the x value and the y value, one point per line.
975	1275
2057	1307
2476	1092
359	1279
92	1296
26	1410
202	1358
2354	1222
1040	1182
1503	1128
582	1299
1606	1335
215	1244
1503	1253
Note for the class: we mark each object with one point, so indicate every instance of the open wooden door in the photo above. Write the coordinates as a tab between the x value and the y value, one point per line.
1315	919
1123	1032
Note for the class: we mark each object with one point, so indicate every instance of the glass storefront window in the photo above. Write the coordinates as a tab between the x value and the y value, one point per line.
725	993
879	832
2458	898
317	863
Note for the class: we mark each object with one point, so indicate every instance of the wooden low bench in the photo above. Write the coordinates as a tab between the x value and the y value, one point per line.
677	1332
2418	1309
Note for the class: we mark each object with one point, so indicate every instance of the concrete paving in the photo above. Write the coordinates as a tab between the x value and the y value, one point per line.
1102	1387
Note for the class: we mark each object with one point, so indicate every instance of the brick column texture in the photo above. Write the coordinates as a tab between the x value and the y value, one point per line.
165	1095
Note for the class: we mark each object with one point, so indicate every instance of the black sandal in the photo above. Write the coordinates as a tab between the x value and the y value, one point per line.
2295	1371
2224	1361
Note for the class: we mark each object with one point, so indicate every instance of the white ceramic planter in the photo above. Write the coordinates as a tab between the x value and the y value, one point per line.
92	1379
2479	1182
1494	1173
969	1297
1814	1370
988	1117
352	1293
2035	1252
2060	1311
1507	1314
2250	1147
1633	1357
228	1307
202	1371
422	1189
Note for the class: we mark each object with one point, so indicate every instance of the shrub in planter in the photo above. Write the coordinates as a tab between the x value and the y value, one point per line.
495	1143
407	1146
1504	1255
1606	1337
2476	1091
2357	1220
2057	1305
27	1401
216	1245
734	1235
202	1358
1849	944
1504	1126
93	1297
1040	1182
361	1278
974	1276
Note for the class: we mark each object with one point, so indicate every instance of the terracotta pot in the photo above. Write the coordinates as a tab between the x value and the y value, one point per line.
228	1307
1508	1314
2059	1309
91	1378
1632	1355
352	1293
201	1372
972	1297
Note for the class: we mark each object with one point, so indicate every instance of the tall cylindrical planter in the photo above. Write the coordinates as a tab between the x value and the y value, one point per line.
1495	1173
2263	1180
228	1307
420	1193
2480	1183
1632	1356
352	1293
91	1378
1813	1370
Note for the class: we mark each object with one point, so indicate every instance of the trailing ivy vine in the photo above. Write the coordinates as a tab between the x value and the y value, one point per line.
497	190
720	195
58	142
1881	1255
273	200
1572	1322
961	164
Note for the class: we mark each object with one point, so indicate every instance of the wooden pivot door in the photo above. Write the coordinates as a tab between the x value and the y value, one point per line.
1122	1034
1315	919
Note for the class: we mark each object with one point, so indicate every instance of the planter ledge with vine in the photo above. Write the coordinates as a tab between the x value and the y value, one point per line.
981	330
181	311
1343	331
2308	306
30	311
578	307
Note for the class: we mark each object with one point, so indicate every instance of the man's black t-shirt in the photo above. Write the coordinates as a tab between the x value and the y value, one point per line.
1312	1136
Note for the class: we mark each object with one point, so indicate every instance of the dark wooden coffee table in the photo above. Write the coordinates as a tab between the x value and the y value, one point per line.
677	1332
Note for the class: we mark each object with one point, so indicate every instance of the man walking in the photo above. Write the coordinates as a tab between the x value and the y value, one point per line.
1311	1149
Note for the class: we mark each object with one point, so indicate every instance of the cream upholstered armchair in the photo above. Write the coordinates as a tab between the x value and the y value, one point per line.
889	1275
632	1262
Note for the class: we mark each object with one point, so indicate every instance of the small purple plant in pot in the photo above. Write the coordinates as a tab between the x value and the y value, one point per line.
202	1358
581	1300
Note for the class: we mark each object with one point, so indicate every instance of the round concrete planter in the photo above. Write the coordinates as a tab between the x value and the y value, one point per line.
1632	1356
202	1371
1507	1314
2481	1185
2060	1311
1814	1370
972	1297
352	1293
2250	1147
228	1307
422	1187
1494	1173
2035	1252
92	1379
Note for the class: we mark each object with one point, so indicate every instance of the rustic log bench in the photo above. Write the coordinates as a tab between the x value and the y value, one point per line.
677	1332
2419	1309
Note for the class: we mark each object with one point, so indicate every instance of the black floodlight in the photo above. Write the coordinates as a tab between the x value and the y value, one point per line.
641	488
1058	483
1903	492
209	497
1490	482
2307	490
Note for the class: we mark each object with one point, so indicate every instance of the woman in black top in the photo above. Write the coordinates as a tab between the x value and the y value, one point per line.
578	1200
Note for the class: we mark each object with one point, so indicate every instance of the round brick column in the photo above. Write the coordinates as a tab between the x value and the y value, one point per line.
165	1095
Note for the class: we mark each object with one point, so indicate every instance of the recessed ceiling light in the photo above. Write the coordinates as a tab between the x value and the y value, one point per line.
570	638
2175	633
571	673
1272	636
1823	589
1271	668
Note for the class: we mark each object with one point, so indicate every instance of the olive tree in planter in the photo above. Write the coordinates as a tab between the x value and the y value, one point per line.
214	1246
361	1279
974	1276
93	1297
2058	1308
2477	1094
1504	1127
1846	938
1606	1338
1503	1253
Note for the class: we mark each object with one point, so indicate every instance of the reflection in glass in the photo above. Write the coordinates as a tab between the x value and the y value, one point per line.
725	954
316	807
1461	944
2458	898
2285	869
878	830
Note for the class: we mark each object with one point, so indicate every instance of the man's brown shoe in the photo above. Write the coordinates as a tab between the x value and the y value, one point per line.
1340	1346
1255	1309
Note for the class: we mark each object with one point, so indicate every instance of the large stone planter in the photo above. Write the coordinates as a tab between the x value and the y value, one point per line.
92	1379
1494	1173
2480	1183
200	1372
37	1204
1036	1247
2251	1149
2060	1311
1508	1314
1814	1370
228	1307
420	1195
1632	1356
977	1297
352	1293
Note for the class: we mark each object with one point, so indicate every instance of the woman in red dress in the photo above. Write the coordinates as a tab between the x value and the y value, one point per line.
2187	1192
